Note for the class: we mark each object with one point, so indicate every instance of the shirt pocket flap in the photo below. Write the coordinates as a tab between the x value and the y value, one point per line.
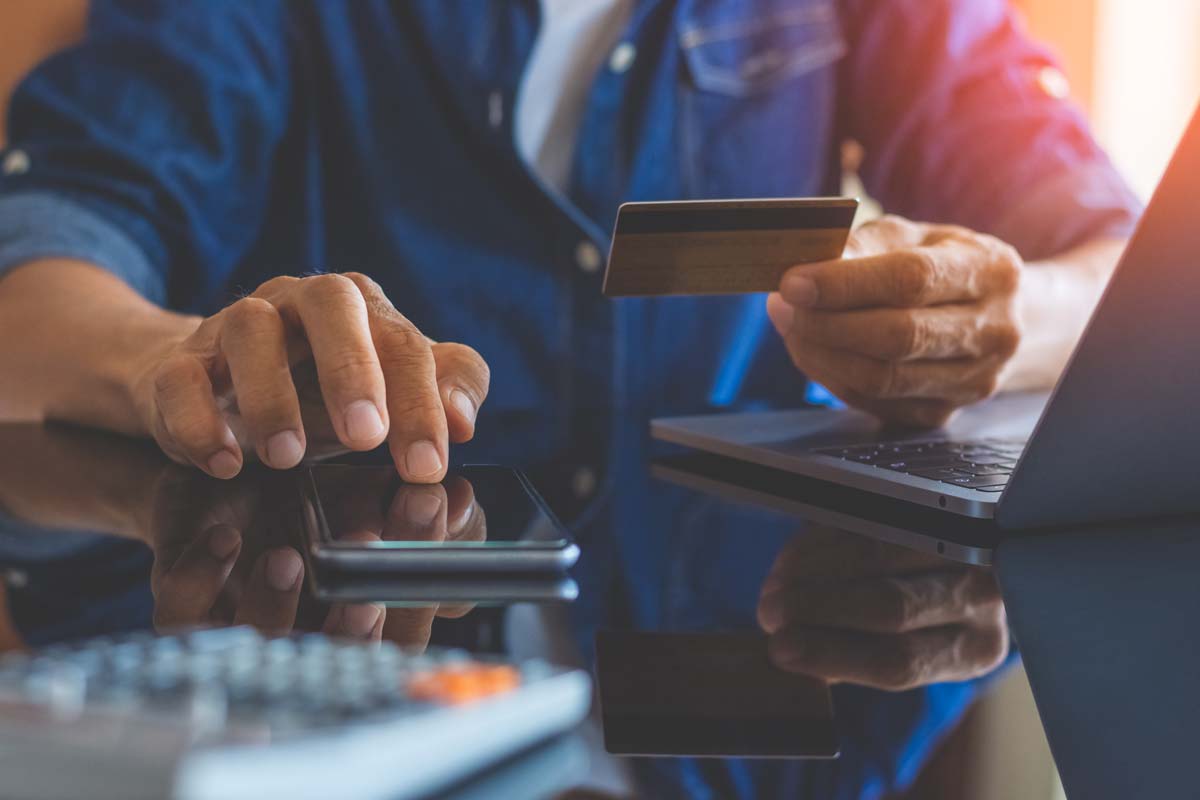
742	53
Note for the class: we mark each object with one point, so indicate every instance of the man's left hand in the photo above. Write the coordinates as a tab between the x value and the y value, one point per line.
914	322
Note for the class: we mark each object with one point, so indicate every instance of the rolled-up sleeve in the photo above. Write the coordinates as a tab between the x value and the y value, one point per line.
42	225
964	119
148	148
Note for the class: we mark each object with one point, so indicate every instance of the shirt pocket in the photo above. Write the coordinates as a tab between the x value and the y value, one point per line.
758	96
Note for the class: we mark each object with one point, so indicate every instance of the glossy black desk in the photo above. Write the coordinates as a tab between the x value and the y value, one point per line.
90	522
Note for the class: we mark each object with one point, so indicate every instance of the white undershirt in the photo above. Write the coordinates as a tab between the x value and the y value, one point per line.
575	38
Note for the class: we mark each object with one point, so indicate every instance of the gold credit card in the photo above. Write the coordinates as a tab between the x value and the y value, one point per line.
721	246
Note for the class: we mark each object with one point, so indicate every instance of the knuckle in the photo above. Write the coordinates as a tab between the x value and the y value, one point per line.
276	285
363	282
893	223
330	288
906	337
465	362
399	344
249	315
913	275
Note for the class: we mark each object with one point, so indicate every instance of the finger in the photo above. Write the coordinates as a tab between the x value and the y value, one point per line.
957	269
186	592
254	341
188	421
463	380
939	332
465	518
333	315
824	553
891	604
959	381
355	621
417	513
890	662
410	627
418	438
272	592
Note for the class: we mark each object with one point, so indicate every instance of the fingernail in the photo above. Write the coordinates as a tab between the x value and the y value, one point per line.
358	620
222	541
459	399
799	291
770	611
421	507
284	450
283	570
363	423
422	459
224	464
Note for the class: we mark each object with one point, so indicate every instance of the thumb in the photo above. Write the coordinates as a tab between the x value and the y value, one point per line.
463	379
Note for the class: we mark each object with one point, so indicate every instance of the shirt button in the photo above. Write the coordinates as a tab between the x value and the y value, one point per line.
16	163
587	257
583	482
622	57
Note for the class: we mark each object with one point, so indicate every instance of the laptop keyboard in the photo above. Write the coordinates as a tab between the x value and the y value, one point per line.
984	465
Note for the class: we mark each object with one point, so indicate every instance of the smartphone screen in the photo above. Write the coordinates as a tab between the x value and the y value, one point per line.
479	508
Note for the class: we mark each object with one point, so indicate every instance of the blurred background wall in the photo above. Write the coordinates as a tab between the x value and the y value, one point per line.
1134	65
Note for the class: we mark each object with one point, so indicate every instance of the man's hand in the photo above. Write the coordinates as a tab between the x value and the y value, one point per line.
309	363
915	322
849	609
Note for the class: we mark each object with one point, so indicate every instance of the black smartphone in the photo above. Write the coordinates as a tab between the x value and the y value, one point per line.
481	520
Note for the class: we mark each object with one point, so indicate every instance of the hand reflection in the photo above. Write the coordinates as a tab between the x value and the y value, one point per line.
221	557
850	609
376	509
224	553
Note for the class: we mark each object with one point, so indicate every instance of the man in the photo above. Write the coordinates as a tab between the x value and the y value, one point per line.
167	177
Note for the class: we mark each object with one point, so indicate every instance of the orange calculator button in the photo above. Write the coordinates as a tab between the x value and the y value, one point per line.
463	683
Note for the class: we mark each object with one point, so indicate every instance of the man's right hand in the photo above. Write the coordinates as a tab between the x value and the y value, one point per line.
307	364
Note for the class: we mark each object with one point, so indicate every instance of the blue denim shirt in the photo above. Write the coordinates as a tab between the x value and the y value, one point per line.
197	149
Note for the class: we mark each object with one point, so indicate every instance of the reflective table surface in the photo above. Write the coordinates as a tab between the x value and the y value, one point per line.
736	617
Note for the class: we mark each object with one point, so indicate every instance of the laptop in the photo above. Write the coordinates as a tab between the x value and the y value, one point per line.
1114	439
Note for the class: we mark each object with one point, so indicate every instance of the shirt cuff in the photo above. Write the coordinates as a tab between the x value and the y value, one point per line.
1071	208
41	225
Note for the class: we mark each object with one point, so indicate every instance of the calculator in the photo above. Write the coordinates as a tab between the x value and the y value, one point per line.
231	713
